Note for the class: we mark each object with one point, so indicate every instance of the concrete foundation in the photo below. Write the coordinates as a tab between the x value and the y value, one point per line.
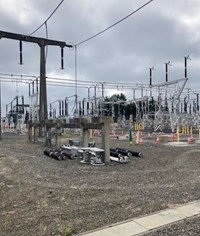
102	123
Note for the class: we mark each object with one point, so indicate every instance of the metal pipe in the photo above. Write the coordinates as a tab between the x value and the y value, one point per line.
123	152
137	154
54	154
115	154
66	154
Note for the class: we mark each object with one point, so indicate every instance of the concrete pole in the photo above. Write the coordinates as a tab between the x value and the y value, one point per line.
106	138
48	137
58	137
43	89
35	134
30	133
177	134
85	133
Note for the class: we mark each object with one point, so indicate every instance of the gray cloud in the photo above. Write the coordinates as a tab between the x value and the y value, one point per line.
162	31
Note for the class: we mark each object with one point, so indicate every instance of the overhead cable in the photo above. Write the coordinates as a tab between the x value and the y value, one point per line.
119	21
47	18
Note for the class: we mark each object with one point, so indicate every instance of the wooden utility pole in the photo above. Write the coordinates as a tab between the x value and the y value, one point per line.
42	42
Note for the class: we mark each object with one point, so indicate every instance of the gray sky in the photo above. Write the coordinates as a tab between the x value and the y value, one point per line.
162	31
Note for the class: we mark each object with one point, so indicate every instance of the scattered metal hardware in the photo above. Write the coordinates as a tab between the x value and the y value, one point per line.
80	153
136	154
66	154
123	152
91	144
118	157
88	155
93	156
97	156
54	154
129	152
121	155
85	155
71	150
76	143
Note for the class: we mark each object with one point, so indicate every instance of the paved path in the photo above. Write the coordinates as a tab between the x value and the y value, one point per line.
144	224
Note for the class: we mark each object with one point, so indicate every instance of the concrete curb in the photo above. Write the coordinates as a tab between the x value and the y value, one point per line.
139	225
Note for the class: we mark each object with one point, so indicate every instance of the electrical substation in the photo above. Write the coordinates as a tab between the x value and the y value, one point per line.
100	118
164	107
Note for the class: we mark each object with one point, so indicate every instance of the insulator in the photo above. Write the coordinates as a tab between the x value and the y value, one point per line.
59	108
29	89
66	108
20	50
62	108
37	85
33	87
62	58
83	106
80	108
22	104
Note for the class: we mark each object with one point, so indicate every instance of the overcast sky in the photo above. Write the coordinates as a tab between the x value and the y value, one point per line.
162	31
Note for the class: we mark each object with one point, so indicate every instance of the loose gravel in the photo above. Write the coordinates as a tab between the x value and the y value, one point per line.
42	196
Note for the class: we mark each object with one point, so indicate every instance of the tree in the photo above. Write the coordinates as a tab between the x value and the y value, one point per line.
115	105
130	109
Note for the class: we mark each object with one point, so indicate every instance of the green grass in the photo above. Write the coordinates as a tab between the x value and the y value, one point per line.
68	231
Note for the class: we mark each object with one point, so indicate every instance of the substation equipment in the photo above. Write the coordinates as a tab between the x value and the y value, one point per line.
159	107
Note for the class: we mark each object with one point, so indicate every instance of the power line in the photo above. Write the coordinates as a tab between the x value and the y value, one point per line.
56	83
47	18
114	24
89	83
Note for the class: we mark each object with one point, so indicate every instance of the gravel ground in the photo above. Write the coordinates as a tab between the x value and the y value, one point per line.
42	196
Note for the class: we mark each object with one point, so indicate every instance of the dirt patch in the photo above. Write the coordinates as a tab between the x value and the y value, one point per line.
42	196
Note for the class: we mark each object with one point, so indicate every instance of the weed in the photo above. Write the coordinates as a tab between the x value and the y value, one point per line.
68	231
